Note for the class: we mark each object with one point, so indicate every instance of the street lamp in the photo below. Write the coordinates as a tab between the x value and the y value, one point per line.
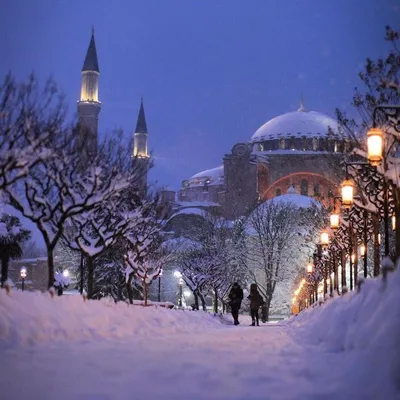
393	222
310	268
23	273
334	221
375	146
66	273
347	193
324	238
362	250
180	283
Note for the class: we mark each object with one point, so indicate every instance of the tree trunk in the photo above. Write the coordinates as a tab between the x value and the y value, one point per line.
215	301
50	265
145	289
4	269
203	302
129	288
267	307
90	276
196	300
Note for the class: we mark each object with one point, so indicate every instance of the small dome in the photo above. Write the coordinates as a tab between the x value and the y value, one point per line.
298	124
291	190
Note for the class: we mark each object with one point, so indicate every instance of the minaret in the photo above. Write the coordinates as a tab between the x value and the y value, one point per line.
89	105
140	154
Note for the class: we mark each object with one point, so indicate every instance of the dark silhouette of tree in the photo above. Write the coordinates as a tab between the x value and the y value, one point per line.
12	234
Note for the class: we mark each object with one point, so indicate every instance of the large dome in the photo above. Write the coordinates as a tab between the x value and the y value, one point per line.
299	124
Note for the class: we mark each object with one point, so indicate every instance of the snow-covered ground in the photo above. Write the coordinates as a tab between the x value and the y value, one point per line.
64	348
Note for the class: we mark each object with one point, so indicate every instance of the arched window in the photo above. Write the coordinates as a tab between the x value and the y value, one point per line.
317	191
315	144
304	187
282	144
278	192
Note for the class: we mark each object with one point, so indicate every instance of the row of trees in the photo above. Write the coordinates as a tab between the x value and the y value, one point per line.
269	247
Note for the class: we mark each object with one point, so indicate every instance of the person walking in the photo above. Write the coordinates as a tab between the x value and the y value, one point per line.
235	297
256	301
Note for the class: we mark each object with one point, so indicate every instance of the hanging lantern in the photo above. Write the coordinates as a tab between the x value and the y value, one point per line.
335	218
362	250
393	222
347	193
310	268
324	238
375	146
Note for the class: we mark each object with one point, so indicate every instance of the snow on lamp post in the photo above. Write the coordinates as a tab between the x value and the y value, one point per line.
347	193
23	273
375	146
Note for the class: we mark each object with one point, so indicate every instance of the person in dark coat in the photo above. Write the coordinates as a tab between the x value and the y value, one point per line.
256	301
235	297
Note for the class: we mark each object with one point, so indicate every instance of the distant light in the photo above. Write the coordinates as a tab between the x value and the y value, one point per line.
23	272
187	293
66	273
177	274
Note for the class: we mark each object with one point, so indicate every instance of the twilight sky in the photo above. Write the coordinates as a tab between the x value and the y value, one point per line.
211	71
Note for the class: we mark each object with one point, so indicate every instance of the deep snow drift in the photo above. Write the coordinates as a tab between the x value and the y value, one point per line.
66	348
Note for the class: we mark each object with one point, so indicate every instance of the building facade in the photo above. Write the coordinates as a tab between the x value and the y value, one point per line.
293	150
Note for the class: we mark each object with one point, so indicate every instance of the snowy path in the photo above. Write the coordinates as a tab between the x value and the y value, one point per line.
227	363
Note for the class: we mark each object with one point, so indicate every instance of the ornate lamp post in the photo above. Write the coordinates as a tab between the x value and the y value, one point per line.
377	154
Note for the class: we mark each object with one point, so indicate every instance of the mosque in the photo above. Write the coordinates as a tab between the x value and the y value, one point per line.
285	153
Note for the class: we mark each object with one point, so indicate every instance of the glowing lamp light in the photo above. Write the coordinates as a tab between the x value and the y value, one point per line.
334	219
177	274
362	250
310	268
180	281
324	238
347	193
66	273
379	238
375	146
23	272
353	258
394	222
187	293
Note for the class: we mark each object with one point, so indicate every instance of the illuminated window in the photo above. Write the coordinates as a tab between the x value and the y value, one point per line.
282	144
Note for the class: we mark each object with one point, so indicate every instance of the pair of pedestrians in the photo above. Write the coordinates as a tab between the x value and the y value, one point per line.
236	297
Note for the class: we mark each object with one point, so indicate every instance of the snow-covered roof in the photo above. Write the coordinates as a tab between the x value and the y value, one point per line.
213	176
298	200
298	124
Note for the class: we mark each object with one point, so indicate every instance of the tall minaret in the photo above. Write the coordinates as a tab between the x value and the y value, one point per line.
140	154
89	105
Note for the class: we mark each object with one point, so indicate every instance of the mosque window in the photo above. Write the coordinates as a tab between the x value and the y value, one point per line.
260	147
293	143
330	193
315	144
282	144
298	144
278	192
317	190
304	187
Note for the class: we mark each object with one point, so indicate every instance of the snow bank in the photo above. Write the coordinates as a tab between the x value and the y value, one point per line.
28	318
365	325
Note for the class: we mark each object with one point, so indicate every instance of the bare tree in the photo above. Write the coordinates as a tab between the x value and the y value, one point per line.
275	229
30	118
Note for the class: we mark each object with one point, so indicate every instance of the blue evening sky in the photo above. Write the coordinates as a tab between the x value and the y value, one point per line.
211	72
